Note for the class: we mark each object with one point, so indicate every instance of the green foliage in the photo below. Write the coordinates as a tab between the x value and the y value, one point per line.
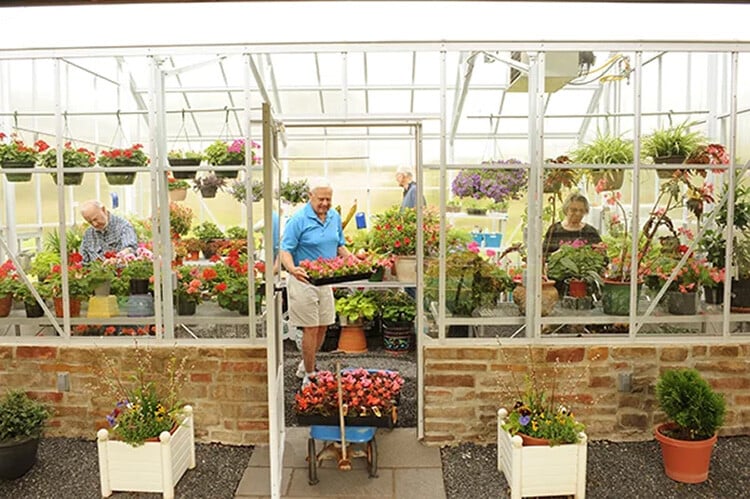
209	181
239	191
604	150
237	232
133	156
72	158
43	262
74	234
150	402
689	401
295	191
176	185
672	141
20	416
577	261
397	306
138	269
357	306
180	218
207	231
99	272
180	154
471	282
395	231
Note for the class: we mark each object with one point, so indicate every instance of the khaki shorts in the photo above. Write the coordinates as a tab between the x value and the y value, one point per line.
309	305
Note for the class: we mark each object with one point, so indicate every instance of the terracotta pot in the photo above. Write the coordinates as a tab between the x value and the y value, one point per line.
529	441
193	255
685	461
352	339
550	297
178	195
6	302
74	309
577	288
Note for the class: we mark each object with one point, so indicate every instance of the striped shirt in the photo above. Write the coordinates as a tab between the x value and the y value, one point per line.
116	236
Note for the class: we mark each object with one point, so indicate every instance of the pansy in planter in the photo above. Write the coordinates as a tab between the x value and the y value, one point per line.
148	402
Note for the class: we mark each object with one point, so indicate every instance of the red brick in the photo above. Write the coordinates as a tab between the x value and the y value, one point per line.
449	380
71	368
253	367
46	396
699	350
248	425
477	353
23	352
455	366
598	354
245	353
730	383
441	353
201	377
6	352
565	354
633	353
673	354
602	382
724	351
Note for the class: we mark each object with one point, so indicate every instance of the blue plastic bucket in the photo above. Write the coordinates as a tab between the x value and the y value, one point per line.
493	239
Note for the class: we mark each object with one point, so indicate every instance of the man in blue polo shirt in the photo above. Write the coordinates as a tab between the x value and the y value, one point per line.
313	232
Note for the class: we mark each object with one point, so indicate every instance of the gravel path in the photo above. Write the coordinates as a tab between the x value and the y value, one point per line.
68	468
615	470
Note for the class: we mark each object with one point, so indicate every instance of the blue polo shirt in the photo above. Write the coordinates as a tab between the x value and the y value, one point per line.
307	238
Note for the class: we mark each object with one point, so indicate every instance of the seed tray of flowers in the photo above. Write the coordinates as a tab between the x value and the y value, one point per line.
339	269
369	398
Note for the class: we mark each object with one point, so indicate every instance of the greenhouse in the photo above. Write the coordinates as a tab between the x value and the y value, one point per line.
575	201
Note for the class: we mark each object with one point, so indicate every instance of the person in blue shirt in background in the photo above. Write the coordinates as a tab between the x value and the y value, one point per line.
312	232
405	179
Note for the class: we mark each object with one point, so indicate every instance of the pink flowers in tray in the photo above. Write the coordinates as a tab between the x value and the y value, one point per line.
339	266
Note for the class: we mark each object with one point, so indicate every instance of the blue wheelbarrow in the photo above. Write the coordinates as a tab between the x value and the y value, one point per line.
357	441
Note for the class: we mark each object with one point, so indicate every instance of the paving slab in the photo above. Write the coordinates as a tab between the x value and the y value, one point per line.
422	483
399	448
256	482
336	483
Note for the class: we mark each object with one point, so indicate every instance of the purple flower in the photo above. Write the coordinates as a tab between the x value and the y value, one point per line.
498	184
524	420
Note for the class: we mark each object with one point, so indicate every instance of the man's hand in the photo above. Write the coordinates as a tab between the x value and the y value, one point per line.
299	273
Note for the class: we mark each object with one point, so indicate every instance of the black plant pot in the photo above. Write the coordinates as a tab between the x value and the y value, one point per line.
33	309
17	457
190	174
456	331
332	338
714	296
741	295
139	286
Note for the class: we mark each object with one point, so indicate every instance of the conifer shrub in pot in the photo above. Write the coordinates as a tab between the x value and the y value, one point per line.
695	412
22	420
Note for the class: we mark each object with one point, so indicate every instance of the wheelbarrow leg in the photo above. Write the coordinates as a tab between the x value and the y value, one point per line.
312	462
372	458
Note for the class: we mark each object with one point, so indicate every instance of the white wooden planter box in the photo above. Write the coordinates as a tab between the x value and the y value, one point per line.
151	467
540	470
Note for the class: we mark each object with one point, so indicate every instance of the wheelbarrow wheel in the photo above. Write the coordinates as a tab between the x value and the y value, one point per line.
312	462
372	458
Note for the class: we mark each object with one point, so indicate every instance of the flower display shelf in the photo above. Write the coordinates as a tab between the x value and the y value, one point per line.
151	467
540	470
321	281
333	420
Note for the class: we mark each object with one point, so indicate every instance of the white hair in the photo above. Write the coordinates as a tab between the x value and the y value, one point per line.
319	183
93	203
405	171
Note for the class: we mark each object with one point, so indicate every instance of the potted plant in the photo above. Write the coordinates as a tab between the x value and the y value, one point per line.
209	185
79	287
541	432
557	179
23	294
497	184
207	232
15	155
179	158
137	269
605	150
100	275
180	219
177	189
72	158
579	265
398	311
695	412
122	158
294	191
193	247
230	285
370	398
191	284
353	309
150	441
671	145
22	420
239	193
221	153
8	281
237	233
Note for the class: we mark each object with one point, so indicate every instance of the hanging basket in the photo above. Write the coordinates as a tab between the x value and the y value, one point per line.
209	192
69	178
17	177
178	195
120	178
614	178
226	173
668	160
177	162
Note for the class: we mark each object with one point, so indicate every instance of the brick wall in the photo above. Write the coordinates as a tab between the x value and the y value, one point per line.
227	387
463	386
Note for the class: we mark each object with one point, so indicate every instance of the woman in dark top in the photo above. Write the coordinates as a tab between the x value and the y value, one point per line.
575	207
